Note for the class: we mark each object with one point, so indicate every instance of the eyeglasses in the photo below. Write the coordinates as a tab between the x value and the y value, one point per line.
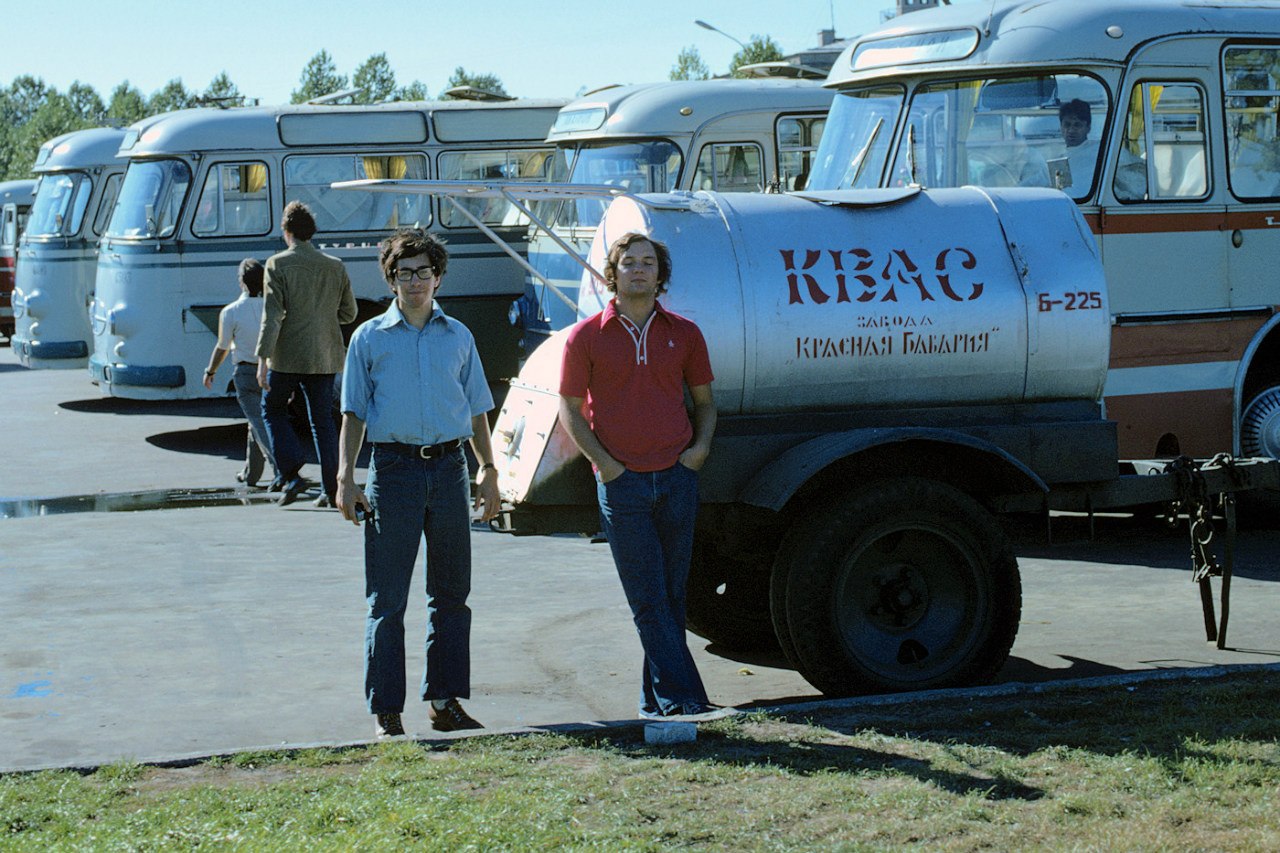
421	274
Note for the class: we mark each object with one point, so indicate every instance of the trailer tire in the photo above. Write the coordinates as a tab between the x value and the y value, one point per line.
727	602
909	585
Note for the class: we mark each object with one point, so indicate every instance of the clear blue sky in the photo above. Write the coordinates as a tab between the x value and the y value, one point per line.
551	49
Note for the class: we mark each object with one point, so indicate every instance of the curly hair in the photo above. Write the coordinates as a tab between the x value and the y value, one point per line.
410	243
619	248
298	221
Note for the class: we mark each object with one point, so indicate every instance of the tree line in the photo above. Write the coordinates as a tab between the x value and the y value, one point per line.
690	65
32	112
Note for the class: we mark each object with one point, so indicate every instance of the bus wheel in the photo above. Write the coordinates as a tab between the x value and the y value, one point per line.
727	601
1260	426
910	585
1260	436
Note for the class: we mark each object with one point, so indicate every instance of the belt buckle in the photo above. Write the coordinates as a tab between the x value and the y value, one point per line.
425	451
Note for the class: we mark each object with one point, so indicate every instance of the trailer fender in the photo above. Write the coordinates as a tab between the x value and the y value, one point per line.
774	486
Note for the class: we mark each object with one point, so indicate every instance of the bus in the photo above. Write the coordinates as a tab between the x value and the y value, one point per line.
749	135
15	204
79	178
204	189
1159	118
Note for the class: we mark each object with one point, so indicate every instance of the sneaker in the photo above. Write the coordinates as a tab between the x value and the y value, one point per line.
705	711
324	502
451	718
388	725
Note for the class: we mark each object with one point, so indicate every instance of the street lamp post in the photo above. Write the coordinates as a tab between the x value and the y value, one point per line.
707	26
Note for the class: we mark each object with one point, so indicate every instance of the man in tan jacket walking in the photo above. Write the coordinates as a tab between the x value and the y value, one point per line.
307	296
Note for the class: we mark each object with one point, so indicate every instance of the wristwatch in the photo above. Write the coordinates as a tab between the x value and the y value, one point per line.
488	466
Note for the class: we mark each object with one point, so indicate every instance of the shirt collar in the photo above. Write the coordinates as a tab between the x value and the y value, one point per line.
392	315
611	312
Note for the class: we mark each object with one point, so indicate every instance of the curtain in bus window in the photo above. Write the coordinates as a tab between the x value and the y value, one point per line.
1164	144
1131	168
1252	102
397	211
308	178
486	165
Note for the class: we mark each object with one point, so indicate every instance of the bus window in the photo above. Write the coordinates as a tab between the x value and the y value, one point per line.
732	168
853	149
639	167
1170	161
150	199
233	201
107	203
798	139
60	204
490	165
9	233
307	179
1251	86
1004	132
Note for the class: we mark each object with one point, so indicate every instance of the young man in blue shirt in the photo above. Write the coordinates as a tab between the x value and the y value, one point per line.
413	381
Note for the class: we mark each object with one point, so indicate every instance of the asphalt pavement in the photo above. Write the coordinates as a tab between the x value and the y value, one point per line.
152	609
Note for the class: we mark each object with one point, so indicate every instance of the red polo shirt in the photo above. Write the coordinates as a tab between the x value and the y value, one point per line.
632	381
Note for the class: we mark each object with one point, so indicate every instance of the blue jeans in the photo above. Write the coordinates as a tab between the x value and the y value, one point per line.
249	396
412	497
317	390
648	519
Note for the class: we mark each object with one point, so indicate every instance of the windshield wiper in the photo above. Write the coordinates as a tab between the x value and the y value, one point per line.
860	159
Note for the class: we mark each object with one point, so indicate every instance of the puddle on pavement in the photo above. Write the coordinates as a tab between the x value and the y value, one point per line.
131	502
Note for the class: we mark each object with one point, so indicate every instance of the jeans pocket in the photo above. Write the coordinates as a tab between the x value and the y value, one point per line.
387	461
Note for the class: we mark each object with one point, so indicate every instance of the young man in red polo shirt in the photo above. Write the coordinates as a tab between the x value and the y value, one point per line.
622	399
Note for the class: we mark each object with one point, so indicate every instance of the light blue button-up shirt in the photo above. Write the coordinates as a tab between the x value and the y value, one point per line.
411	386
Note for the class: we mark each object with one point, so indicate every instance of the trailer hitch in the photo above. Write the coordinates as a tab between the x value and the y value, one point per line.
1196	501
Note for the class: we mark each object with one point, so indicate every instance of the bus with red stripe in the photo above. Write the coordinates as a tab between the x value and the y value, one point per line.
15	205
1159	118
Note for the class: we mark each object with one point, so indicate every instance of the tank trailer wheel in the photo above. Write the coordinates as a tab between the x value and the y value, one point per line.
910	585
727	602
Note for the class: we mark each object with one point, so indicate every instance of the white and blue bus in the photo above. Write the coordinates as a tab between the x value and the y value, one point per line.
78	179
751	135
204	189
1159	118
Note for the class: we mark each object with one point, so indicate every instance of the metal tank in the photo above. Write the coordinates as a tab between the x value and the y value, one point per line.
898	302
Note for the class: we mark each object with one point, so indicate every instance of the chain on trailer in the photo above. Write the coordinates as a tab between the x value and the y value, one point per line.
1198	503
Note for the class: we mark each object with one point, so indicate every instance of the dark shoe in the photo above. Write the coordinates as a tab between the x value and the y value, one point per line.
451	718
291	490
324	502
389	725
276	485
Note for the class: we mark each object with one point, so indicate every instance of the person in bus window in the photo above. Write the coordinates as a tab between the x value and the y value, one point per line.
1075	120
238	327
622	385
413	380
307	296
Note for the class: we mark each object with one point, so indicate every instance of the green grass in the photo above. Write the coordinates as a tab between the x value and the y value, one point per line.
1183	764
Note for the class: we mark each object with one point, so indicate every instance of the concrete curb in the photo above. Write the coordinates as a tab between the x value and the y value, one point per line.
440	741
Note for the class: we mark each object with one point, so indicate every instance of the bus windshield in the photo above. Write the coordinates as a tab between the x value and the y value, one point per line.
60	203
638	167
1036	131
150	199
